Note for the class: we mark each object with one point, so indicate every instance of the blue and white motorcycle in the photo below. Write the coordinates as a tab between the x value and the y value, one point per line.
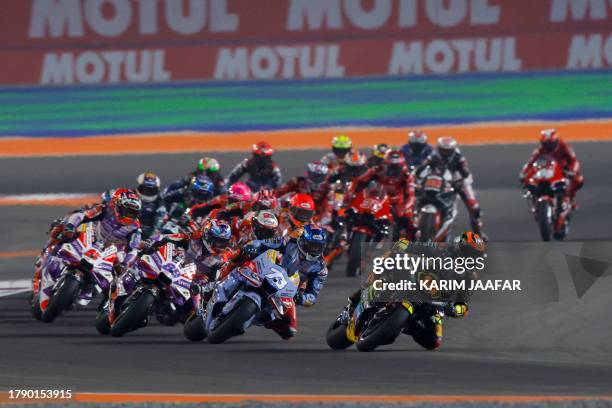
255	293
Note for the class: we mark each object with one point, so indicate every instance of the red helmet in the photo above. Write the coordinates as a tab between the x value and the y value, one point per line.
394	163
264	200
239	192
126	206
302	208
262	149
549	138
355	163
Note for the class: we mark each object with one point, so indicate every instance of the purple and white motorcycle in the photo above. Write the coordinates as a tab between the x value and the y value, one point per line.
75	273
158	285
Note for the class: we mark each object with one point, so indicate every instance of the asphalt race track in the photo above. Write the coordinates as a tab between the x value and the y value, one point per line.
543	340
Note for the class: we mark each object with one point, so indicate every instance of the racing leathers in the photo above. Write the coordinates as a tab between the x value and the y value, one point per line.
458	167
414	159
566	157
320	193
258	178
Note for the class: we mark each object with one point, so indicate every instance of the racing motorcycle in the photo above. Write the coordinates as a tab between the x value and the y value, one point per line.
368	219
257	292
334	223
369	324
546	192
85	270
159	285
436	205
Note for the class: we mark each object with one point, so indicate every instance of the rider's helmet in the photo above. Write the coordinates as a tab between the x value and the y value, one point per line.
355	163
394	163
148	186
374	190
380	150
264	200
312	242
201	189
549	139
125	205
341	145
262	154
470	244
301	208
265	224
417	141
447	146
239	192
216	235
317	173
208	166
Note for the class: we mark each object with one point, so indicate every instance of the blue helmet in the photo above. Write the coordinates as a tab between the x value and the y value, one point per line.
217	235
201	188
312	242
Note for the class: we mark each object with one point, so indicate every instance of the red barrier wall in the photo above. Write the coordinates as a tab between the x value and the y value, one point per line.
99	41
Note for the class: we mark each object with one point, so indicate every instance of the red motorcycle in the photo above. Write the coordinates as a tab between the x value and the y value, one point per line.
368	220
546	191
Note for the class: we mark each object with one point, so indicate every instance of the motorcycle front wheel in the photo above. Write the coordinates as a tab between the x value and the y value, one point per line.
63	296
233	323
427	227
194	328
355	253
543	212
133	315
384	330
336	336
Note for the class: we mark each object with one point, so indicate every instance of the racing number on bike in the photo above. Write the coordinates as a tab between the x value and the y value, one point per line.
277	278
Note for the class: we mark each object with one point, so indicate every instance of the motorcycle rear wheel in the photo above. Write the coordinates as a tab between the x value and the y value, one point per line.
385	332
355	253
63	297
427	227
233	322
133	315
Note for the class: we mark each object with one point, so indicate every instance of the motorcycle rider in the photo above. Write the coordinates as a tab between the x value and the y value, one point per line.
417	149
262	171
398	184
447	156
236	202
378	155
353	165
118	225
300	212
341	146
199	190
153	211
552	145
314	183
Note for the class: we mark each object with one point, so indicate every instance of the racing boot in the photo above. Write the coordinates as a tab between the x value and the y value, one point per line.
286	327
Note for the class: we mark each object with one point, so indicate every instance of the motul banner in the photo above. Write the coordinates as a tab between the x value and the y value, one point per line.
107	41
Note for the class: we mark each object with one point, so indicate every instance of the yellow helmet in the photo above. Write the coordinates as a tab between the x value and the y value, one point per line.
341	145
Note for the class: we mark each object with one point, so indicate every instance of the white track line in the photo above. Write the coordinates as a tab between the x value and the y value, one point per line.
13	287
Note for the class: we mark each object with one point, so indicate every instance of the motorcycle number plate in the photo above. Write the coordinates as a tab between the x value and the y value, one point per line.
433	183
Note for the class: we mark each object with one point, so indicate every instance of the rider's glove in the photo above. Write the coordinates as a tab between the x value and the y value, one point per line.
305	299
457	310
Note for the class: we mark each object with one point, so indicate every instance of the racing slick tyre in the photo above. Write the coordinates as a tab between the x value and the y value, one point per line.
336	336
355	253
63	296
427	227
233	322
543	212
194	328
383	330
102	323
35	306
134	313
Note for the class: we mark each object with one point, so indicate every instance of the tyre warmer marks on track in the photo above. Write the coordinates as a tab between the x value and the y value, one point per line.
189	142
129	398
